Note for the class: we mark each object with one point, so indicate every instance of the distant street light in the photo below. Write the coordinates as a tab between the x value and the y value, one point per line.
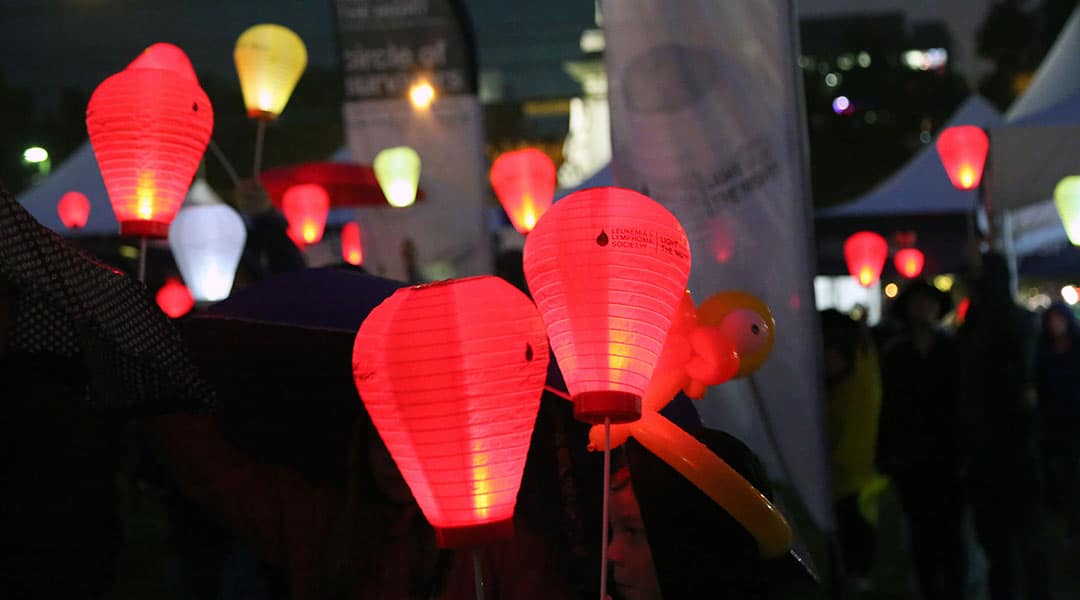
36	155
421	94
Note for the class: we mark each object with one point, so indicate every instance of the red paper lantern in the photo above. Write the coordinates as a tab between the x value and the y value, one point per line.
451	374
165	56
306	208
174	298
74	210
607	267
962	310
524	181
909	262
865	254
149	129
352	250
962	150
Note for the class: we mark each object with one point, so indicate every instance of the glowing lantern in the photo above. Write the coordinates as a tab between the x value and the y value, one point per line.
352	250
306	208
269	61
1067	200
962	150
451	374
167	57
607	267
207	241
865	254
909	262
524	181
74	210
398	172
149	129
962	310
174	299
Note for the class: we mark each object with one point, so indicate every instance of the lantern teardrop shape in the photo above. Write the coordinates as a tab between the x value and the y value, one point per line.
865	253
174	298
909	262
207	241
167	57
451	374
74	210
524	181
352	249
306	207
398	172
962	150
1067	201
607	267
149	129
269	61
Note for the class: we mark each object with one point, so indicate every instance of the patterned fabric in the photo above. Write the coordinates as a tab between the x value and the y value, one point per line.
68	304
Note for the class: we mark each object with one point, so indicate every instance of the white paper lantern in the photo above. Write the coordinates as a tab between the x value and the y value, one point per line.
207	241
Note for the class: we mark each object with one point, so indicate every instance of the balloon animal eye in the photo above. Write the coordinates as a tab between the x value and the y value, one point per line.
746	329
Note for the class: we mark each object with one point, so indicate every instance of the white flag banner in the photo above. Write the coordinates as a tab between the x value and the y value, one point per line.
706	119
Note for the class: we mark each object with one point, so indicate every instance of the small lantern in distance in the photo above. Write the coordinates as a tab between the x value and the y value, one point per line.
352	247
451	374
207	241
306	207
174	298
74	210
962	150
398	172
524	181
269	61
1067	201
909	262
865	253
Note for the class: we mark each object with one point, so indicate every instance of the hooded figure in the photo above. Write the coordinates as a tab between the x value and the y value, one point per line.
696	547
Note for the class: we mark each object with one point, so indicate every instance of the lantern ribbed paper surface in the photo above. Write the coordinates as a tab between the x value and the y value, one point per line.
451	374
524	181
167	57
269	61
607	267
909	262
352	249
149	129
306	208
865	253
398	172
1067	201
74	210
962	150
207	241
174	298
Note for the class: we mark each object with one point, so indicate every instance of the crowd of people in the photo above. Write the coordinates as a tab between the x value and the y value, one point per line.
976	422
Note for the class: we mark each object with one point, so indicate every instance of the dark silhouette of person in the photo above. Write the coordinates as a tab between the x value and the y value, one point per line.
1057	373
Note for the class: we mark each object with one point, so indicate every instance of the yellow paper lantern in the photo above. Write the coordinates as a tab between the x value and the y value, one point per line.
1067	199
269	61
398	172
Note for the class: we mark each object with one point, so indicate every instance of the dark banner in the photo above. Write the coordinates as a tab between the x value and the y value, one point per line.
386	45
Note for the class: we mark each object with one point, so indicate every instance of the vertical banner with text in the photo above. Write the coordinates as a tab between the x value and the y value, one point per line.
706	119
386	47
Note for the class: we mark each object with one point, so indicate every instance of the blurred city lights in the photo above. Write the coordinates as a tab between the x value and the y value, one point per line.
924	60
421	94
832	79
864	59
35	154
891	290
1070	294
841	104
943	282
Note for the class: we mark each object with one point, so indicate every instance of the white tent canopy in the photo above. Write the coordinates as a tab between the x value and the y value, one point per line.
1039	141
921	186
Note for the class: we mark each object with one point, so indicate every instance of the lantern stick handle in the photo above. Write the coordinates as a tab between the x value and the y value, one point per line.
604	522
478	574
557	392
260	133
225	164
142	259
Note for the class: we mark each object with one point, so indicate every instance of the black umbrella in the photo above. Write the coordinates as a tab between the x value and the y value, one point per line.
69	304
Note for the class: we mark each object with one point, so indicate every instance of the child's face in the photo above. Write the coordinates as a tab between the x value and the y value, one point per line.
628	551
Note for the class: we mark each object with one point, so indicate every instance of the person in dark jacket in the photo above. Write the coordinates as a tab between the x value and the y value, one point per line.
919	442
669	540
1057	370
997	344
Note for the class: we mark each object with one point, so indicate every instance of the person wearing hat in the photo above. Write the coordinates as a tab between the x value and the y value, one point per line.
919	445
669	540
